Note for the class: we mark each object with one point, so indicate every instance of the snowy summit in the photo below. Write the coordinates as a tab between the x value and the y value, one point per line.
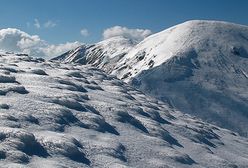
123	84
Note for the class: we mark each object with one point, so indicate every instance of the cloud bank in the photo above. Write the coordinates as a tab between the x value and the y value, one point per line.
134	34
15	40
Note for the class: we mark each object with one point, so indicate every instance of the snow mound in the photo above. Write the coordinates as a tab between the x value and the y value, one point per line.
70	115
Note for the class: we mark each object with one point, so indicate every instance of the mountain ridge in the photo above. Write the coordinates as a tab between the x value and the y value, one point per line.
104	54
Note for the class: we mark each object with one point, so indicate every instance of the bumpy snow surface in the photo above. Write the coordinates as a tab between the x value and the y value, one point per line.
65	115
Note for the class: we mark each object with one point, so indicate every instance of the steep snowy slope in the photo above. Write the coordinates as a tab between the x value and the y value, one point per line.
104	54
65	115
199	67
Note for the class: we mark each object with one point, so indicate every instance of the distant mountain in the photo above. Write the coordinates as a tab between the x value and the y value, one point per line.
198	67
104	54
70	115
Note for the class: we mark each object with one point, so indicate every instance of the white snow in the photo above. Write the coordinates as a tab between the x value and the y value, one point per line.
197	35
71	115
104	54
198	67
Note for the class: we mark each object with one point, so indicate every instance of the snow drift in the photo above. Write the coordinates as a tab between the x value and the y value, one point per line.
69	115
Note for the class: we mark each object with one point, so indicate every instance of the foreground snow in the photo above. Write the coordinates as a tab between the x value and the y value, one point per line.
65	115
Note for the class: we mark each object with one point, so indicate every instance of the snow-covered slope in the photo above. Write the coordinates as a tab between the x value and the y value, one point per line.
70	115
104	54
199	67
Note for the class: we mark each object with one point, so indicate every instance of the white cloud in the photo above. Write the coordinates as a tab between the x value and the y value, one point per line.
37	23
15	40
134	34
56	50
84	32
50	24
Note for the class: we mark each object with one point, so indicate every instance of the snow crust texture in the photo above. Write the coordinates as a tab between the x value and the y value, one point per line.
70	115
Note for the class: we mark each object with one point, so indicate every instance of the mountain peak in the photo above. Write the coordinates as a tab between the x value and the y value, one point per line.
193	64
195	34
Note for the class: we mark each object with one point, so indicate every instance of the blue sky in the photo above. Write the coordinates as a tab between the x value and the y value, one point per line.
65	18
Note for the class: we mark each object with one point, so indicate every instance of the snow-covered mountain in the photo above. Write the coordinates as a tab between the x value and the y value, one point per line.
199	67
104	54
70	115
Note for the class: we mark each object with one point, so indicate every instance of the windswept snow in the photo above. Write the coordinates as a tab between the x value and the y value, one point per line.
70	115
